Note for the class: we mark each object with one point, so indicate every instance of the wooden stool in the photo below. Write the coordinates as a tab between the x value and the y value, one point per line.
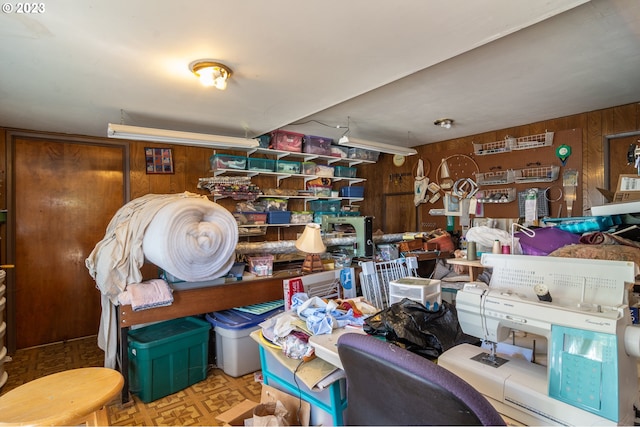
70	397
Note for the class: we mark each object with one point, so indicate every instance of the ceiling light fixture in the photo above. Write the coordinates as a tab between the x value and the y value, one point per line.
376	146
138	133
444	123
211	73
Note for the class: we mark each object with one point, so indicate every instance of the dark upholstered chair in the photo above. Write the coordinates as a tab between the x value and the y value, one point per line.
388	385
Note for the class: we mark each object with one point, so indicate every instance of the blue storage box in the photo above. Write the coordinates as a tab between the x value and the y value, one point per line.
278	217
345	171
236	352
352	191
167	357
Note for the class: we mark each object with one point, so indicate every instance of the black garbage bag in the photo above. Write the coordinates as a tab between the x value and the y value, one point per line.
410	325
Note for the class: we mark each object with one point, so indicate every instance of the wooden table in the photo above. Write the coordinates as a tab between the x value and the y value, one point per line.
475	267
66	398
198	301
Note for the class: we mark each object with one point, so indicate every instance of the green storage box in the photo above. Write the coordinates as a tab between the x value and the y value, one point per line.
167	357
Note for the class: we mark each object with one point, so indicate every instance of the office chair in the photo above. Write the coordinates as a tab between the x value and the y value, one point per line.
388	385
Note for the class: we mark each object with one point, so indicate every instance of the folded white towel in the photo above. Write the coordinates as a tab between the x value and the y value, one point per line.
149	294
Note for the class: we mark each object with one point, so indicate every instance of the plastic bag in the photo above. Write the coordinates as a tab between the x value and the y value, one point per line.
410	325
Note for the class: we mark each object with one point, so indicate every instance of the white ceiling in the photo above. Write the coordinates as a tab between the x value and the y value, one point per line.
388	69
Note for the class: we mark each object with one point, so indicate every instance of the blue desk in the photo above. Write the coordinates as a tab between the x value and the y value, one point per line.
332	399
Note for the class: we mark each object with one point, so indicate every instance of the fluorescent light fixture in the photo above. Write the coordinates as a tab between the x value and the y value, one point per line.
138	133
376	146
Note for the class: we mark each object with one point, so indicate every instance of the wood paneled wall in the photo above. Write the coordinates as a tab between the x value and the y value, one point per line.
594	127
191	163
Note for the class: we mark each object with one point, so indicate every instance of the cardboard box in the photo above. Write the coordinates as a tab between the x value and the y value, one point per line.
244	410
628	188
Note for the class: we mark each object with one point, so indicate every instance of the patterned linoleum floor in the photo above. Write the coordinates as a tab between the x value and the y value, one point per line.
196	405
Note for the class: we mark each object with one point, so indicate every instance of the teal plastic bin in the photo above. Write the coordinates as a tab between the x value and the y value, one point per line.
167	357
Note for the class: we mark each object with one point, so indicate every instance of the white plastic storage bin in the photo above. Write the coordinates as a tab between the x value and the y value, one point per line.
425	291
236	352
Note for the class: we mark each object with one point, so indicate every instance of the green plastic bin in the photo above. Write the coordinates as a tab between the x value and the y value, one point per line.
167	357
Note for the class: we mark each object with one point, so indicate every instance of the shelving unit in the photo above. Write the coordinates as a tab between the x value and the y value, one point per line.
303	179
306	157
537	173
510	143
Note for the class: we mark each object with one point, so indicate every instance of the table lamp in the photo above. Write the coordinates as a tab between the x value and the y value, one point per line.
310	242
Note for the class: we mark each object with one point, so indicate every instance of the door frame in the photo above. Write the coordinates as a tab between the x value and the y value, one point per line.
8	246
606	144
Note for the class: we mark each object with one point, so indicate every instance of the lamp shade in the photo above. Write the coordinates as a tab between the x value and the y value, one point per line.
310	241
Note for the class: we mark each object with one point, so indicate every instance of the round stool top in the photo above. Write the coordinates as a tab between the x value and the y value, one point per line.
61	398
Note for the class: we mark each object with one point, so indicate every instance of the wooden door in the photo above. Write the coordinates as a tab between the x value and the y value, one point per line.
65	195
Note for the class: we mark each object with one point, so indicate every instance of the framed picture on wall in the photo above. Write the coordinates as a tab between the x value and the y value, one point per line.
159	160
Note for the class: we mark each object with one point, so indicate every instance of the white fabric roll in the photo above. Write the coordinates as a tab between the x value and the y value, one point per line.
192	239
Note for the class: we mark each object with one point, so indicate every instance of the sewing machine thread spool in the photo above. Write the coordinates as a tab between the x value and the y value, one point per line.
542	292
497	247
471	251
506	249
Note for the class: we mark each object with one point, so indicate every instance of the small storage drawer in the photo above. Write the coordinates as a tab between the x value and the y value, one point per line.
250	218
278	217
264	165
317	145
325	205
345	171
424	291
286	141
287	166
226	161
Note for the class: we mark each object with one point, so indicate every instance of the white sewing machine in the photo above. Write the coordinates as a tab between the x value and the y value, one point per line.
581	308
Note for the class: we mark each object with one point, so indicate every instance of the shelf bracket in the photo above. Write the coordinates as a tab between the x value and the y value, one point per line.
281	177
